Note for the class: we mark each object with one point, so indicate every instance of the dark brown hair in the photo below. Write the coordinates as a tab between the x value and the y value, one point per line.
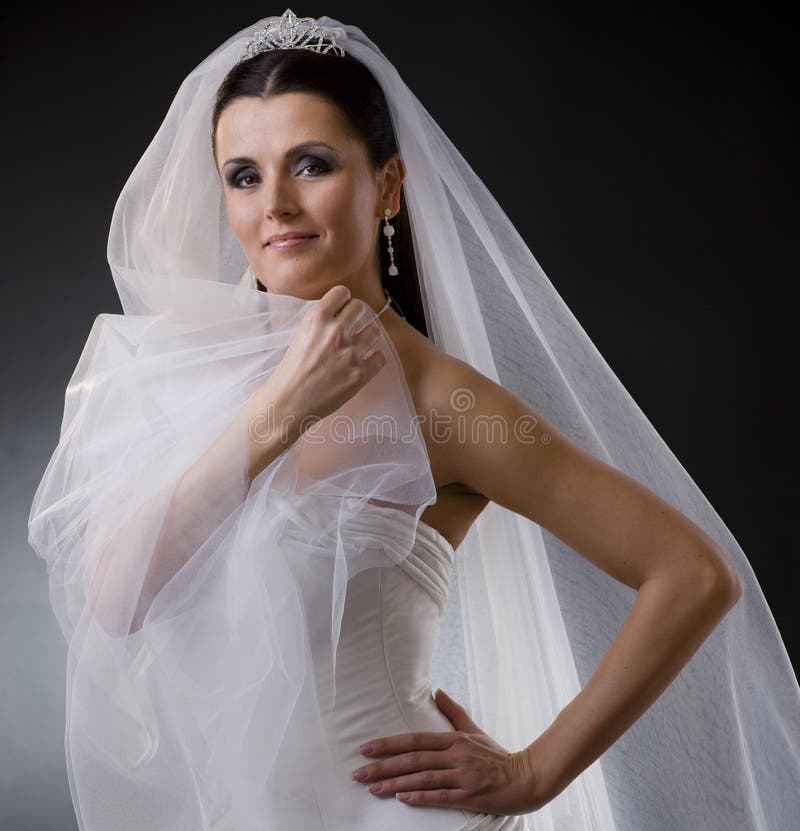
349	85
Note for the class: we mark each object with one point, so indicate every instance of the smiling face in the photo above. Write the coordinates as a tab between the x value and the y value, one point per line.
290	164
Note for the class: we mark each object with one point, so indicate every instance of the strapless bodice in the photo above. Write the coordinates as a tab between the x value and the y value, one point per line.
383	659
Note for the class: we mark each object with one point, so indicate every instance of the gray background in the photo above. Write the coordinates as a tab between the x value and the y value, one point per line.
645	156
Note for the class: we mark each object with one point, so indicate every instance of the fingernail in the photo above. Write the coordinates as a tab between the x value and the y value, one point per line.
358	775
367	748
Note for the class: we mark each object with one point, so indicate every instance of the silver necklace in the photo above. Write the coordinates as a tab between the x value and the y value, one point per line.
388	302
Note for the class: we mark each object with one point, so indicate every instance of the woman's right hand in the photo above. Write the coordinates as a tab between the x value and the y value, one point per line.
325	364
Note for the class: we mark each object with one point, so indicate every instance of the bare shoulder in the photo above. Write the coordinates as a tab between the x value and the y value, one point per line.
433	378
448	394
480	437
479	434
425	365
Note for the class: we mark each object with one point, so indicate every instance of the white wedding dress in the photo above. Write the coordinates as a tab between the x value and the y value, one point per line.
383	661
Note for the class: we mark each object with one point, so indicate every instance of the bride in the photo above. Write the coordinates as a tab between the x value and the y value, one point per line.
346	421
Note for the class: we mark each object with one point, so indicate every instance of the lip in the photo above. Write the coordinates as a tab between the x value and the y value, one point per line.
289	240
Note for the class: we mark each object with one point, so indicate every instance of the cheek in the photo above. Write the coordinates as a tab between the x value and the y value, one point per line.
243	217
349	214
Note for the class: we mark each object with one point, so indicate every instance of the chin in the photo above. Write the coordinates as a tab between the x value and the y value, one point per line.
301	292
309	286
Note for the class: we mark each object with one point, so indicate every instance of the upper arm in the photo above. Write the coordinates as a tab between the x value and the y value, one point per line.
515	457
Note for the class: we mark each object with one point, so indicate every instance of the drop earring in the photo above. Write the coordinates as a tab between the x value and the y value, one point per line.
388	232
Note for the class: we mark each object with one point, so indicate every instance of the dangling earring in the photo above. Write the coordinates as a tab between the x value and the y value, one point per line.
388	232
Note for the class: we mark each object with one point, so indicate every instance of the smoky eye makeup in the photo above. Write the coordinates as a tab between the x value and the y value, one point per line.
314	161
235	177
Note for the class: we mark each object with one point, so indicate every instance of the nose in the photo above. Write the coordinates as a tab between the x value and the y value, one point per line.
279	198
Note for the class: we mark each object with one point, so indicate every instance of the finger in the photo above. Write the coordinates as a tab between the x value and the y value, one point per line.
443	797
424	780
455	712
355	317
334	300
375	360
368	334
373	365
403	742
404	763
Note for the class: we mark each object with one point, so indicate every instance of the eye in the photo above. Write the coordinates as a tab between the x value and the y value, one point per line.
238	179
314	161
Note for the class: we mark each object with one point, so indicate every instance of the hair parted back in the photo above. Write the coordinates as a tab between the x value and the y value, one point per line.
349	85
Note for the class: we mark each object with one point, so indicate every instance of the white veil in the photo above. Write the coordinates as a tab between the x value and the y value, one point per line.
190	603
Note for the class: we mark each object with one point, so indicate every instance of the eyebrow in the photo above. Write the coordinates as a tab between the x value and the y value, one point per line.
297	150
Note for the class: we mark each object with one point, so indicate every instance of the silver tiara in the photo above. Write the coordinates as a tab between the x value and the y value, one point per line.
291	32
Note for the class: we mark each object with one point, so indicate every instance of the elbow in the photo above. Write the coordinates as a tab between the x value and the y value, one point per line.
736	585
112	617
720	583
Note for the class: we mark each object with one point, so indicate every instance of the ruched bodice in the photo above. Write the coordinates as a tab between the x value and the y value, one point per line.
383	662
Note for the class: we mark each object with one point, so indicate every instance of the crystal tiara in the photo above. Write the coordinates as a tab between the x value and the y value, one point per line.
291	32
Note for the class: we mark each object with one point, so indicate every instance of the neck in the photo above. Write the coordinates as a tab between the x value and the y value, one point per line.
374	297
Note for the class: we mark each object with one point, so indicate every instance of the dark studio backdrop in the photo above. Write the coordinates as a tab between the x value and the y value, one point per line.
646	156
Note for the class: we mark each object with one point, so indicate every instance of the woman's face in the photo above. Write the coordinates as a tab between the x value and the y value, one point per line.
289	164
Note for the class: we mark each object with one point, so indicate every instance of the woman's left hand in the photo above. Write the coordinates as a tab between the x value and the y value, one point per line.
462	769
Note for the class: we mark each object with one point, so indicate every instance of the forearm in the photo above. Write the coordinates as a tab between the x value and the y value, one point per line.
262	430
668	622
204	496
214	486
